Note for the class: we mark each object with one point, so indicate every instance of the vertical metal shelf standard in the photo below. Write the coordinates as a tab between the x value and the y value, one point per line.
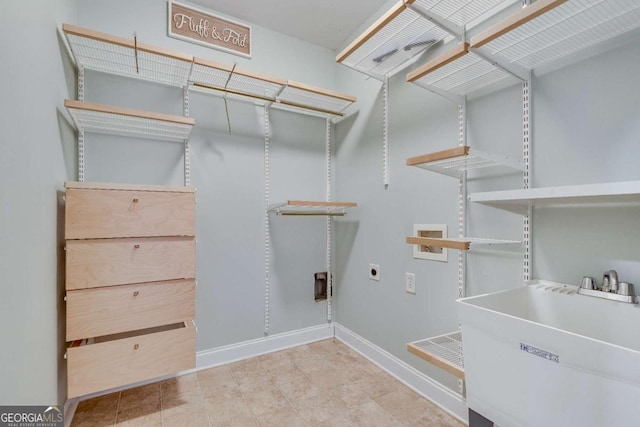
326	208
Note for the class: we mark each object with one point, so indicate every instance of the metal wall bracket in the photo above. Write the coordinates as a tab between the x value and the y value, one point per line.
447	26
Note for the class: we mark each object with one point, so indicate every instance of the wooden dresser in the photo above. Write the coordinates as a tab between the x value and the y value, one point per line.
130	283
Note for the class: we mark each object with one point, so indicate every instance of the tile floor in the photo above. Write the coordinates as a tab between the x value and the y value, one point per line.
319	384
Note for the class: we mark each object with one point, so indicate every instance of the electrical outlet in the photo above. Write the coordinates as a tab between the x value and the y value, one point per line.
374	272
410	283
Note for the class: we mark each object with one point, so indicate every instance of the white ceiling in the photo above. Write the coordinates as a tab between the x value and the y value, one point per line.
326	23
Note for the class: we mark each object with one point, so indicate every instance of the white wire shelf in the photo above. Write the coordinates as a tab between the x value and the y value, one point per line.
465	243
125	57
443	351
409	28
224	80
549	30
543	32
313	98
453	162
519	201
311	208
125	121
459	72
234	80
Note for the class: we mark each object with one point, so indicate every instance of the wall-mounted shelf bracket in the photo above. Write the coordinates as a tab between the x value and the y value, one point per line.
448	26
516	71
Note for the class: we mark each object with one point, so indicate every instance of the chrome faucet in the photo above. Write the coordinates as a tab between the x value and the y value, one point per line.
610	281
611	288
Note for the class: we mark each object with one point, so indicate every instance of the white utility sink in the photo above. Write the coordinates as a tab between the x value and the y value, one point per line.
543	355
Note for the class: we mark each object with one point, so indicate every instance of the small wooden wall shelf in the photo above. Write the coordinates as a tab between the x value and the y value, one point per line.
453	162
311	208
443	351
464	243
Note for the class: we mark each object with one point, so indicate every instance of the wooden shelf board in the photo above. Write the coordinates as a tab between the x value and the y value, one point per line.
461	243
438	155
311	208
514	21
439	62
321	203
385	19
454	161
122	111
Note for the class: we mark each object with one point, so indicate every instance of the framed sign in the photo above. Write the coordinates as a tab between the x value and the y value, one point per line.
202	27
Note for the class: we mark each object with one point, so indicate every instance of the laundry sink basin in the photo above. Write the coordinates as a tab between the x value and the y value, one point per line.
543	355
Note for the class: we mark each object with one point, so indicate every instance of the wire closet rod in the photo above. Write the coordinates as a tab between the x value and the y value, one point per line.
267	99
312	213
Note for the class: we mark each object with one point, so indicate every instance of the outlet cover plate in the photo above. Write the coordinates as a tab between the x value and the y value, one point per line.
374	272
410	283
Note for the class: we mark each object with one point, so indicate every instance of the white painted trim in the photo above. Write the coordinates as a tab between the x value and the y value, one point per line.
221	356
244	350
449	401
70	407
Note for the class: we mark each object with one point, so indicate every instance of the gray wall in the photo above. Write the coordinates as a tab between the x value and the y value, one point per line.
586	122
228	173
35	152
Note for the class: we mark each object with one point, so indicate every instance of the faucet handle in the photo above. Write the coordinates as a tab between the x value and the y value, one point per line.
625	289
589	283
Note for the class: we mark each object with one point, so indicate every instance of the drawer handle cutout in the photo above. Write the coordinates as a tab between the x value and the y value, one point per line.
135	347
137	246
136	293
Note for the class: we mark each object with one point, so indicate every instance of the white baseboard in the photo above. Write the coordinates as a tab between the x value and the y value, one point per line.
448	400
221	356
70	407
244	350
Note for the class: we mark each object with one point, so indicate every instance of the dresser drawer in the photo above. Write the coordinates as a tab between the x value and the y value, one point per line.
125	359
96	214
104	311
107	262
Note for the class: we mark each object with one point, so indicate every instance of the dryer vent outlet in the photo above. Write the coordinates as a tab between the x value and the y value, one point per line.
320	286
